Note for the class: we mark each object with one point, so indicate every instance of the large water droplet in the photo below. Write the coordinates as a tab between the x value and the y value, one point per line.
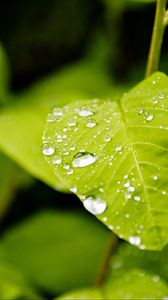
94	205
135	240
50	118
48	150
83	159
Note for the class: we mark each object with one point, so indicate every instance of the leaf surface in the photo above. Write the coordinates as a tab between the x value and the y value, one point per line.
114	155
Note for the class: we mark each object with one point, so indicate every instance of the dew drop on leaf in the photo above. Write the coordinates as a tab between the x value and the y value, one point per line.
85	111
57	160
135	240
83	159
95	205
91	123
48	150
58	111
149	117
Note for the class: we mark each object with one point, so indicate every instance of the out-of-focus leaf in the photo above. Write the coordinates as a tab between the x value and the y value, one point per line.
4	75
135	284
11	178
115	155
14	286
129	257
21	125
57	251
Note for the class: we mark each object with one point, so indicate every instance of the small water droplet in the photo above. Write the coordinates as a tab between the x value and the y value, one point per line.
140	111
118	148
69	171
91	123
163	192
104	219
127	216
155	100
50	118
73	189
58	111
48	150
131	189
149	117
107	138
85	111
134	240
72	123
83	159
95	205
66	166
57	160
155	177
137	198
127	184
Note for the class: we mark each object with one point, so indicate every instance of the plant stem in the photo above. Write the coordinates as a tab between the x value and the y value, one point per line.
161	19
105	265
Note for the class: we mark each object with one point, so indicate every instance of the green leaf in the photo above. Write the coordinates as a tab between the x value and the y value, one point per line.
135	284
21	125
13	285
114	158
129	257
57	251
11	178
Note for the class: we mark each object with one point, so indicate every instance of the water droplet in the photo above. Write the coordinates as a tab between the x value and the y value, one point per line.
104	219
155	100
66	167
50	118
73	189
137	198
127	184
149	117
48	150
118	148
107	138
163	192
57	160
85	111
94	205
72	123
83	159
135	240
58	111
131	189
127	216
91	123
140	111
69	171
155	177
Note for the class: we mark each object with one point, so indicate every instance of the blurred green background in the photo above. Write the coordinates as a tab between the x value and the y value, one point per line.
54	52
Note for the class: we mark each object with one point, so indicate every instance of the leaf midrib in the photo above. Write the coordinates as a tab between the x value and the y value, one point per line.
125	125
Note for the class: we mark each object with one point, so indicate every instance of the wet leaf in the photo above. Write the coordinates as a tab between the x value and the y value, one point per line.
114	155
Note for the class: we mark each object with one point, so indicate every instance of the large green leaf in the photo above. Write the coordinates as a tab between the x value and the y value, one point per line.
21	125
135	284
57	251
11	178
114	155
13	285
129	257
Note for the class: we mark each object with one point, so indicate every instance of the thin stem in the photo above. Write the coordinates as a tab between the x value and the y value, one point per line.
105	265
157	37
